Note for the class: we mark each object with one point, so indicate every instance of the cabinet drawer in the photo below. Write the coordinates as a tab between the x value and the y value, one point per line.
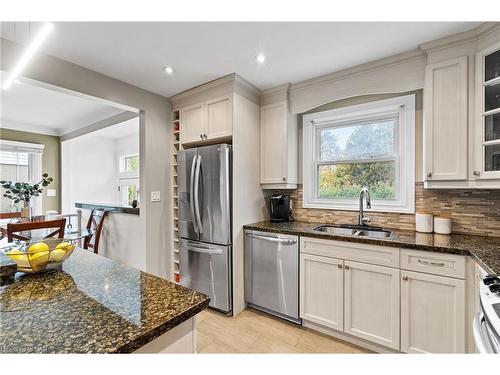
359	252
433	263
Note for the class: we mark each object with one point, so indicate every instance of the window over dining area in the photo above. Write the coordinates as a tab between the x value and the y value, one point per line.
369	145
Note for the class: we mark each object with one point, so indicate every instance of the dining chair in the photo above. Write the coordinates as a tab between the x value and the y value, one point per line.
95	224
10	215
13	230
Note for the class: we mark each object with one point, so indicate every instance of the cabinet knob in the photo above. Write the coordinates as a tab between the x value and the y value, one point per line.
477	173
201	136
429	174
205	135
339	265
405	278
284	178
347	267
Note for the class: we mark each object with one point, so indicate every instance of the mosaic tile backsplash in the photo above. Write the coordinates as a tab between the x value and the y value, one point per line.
472	211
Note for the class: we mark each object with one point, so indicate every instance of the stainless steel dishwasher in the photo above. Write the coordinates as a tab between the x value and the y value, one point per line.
272	273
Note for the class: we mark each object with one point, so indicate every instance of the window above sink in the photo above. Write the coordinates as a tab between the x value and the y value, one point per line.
370	145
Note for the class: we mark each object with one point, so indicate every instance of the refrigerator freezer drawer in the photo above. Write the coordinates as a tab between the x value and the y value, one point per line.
272	273
207	269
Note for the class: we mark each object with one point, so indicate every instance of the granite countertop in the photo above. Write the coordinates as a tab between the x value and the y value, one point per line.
94	305
114	208
486	250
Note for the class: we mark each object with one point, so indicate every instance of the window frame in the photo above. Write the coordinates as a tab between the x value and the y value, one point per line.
35	153
126	178
403	109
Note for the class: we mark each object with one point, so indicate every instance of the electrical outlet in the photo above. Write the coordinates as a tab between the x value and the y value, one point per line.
51	192
155	196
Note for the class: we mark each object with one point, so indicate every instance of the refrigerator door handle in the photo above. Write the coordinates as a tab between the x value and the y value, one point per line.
196	194
204	251
191	194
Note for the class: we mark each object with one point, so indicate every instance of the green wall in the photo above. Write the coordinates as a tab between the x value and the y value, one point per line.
51	162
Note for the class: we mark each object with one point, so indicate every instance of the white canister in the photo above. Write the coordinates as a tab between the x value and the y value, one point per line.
442	225
423	223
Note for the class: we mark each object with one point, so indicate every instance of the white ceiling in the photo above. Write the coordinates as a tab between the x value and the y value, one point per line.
200	52
36	109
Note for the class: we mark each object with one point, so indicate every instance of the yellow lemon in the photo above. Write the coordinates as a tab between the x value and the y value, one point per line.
57	254
20	258
63	245
38	247
39	259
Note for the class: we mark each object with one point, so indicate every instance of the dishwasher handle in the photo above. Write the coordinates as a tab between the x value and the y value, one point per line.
284	241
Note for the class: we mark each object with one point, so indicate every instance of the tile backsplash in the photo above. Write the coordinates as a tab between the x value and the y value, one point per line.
472	211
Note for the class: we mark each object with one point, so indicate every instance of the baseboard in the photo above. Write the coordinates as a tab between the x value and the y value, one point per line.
349	338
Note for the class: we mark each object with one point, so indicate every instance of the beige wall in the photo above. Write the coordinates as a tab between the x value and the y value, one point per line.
51	162
155	218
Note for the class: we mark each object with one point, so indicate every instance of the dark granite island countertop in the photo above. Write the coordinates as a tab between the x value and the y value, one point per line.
486	250
94	305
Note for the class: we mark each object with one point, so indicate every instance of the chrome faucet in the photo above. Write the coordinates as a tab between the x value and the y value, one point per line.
364	194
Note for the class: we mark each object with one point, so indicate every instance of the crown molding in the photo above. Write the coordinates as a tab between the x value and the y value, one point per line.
231	83
386	62
460	38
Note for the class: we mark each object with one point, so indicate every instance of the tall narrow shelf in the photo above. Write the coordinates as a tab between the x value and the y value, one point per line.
175	233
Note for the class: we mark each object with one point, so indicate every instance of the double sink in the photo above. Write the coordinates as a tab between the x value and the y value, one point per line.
353	230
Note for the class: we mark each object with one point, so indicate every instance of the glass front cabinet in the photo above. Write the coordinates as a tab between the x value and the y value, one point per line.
487	165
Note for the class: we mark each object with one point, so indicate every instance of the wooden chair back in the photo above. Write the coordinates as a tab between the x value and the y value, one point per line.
10	215
95	223
13	230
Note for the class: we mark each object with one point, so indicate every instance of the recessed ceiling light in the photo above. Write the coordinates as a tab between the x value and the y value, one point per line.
260	58
168	69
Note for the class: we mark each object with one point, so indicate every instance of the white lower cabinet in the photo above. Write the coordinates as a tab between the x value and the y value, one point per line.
432	313
322	290
371	303
408	311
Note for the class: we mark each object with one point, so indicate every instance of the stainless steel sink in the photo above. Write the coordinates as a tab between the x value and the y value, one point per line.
353	230
339	231
378	233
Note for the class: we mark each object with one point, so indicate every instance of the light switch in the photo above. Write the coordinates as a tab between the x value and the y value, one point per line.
155	196
51	192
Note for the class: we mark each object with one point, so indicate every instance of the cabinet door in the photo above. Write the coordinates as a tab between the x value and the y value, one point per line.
371	303
192	123
321	290
273	143
219	112
445	120
432	314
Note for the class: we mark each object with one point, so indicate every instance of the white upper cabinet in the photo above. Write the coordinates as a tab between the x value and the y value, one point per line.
445	120
278	141
192	123
432	313
208	120
371	309
273	128
219	112
487	161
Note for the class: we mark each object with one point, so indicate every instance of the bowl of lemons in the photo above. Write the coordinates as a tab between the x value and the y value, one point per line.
39	255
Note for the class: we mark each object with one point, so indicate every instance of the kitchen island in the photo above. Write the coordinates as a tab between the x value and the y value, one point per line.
97	305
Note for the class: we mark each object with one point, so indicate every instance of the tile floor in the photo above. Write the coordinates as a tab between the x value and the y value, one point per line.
255	332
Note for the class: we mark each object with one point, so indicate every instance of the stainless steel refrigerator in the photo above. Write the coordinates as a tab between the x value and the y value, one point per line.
204	179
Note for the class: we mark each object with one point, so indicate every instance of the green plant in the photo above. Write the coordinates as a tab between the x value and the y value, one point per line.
23	191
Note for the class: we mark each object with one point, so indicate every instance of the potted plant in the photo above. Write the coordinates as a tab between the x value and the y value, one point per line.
24	192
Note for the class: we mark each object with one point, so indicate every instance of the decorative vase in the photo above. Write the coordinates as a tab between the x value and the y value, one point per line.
26	210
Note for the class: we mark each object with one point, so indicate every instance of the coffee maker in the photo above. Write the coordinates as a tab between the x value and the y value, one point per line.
280	208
